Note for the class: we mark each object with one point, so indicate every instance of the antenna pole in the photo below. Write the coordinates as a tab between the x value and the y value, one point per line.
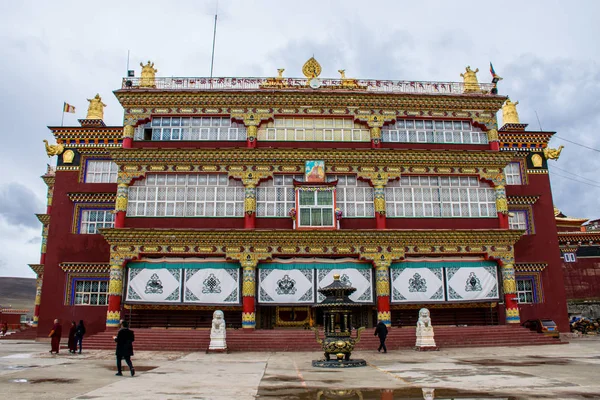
538	119
212	59
127	61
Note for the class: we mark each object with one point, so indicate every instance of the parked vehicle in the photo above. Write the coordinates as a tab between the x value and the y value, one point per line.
547	327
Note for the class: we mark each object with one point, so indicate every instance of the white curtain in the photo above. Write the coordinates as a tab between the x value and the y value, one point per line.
150	285
417	285
286	286
212	286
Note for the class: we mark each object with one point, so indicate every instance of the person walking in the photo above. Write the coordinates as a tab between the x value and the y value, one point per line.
124	340
381	330
79	332
55	334
72	342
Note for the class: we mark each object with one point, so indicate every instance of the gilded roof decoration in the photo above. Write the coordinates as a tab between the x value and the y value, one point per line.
84	267
37	268
92	197
92	133
579	236
43	218
530	267
522	200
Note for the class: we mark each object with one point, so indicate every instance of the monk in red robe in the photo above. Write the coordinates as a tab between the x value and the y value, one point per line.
55	334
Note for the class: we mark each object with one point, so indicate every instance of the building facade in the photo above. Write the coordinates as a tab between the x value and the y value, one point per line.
248	194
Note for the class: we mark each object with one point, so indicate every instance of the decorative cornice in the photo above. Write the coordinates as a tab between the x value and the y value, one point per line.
244	100
67	168
49	180
92	132
134	241
92	197
43	218
37	268
286	160
530	267
85	267
13	311
566	238
522	200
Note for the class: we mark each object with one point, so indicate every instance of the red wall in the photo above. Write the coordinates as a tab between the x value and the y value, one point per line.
582	279
542	247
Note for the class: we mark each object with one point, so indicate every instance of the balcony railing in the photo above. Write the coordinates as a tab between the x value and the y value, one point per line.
370	85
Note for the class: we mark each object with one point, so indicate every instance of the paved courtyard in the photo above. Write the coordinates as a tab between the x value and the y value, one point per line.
28	371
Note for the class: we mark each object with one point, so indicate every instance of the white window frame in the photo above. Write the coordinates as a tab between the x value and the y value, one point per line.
313	129
524	290
101	171
518	220
83	297
512	172
186	195
354	197
430	131
415	196
569	257
196	129
103	219
309	208
277	196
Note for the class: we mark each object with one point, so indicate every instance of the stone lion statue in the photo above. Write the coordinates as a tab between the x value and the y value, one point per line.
218	324
424	319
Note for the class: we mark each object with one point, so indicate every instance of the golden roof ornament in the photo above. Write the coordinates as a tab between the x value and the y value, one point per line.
509	113
148	75
342	73
96	108
53	149
280	72
311	68
552	154
470	80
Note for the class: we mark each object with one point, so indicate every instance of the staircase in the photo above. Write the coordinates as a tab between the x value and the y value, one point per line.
26	334
304	340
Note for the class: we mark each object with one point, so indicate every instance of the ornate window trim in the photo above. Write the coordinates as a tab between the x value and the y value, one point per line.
79	207
528	210
71	279
536	285
85	159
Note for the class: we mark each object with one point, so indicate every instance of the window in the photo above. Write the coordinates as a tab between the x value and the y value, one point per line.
513	173
439	196
315	207
277	196
92	220
191	128
525	290
314	129
569	257
186	195
429	131
353	197
92	292
101	171
518	220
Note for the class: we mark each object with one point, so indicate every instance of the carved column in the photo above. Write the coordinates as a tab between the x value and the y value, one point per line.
498	180
509	284
121	204
379	180
382	262
250	179
375	122
489	122
248	261
252	122
115	289
38	300
128	133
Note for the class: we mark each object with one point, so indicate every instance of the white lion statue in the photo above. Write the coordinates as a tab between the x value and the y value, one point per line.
425	336
217	332
424	319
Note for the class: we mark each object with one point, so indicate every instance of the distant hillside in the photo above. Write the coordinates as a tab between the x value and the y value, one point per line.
17	292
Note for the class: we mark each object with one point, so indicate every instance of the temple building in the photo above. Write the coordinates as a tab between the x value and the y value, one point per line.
249	194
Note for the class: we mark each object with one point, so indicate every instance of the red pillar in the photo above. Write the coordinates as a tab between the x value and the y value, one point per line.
375	143
127	142
249	220
503	220
495	146
380	220
248	302
120	219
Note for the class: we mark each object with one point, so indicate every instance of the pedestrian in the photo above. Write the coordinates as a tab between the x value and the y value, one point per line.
55	334
79	335
72	341
381	331
124	340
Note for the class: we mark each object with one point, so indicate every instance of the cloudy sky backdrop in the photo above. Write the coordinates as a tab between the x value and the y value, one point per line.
55	51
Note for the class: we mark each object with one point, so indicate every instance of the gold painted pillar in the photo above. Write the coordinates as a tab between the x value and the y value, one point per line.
248	262
382	286
115	288
128	133
501	206
38	300
509	284
121	204
252	122
249	205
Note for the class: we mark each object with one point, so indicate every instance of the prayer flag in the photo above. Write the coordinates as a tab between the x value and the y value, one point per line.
67	108
492	70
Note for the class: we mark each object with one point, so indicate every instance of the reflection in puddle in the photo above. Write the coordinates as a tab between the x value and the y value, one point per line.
298	393
45	380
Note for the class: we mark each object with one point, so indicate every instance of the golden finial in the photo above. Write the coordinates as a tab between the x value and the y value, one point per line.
148	74
96	108
280	72
53	149
470	80
342	73
552	154
509	113
336	277
311	68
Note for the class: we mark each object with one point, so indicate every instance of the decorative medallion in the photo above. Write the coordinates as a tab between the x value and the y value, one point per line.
311	68
211	285
286	285
154	285
417	283
473	283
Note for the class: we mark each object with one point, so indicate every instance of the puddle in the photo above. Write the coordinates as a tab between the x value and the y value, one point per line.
299	393
45	380
20	355
16	367
524	363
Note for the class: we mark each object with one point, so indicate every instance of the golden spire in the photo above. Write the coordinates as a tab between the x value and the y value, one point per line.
509	113
311	68
470	80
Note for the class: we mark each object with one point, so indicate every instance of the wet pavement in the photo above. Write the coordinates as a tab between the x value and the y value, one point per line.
28	371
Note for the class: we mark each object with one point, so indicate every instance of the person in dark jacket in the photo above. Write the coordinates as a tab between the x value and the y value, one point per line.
55	334
79	335
381	331
72	342
124	340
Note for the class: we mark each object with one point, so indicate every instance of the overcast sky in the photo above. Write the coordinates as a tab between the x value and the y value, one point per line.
55	51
